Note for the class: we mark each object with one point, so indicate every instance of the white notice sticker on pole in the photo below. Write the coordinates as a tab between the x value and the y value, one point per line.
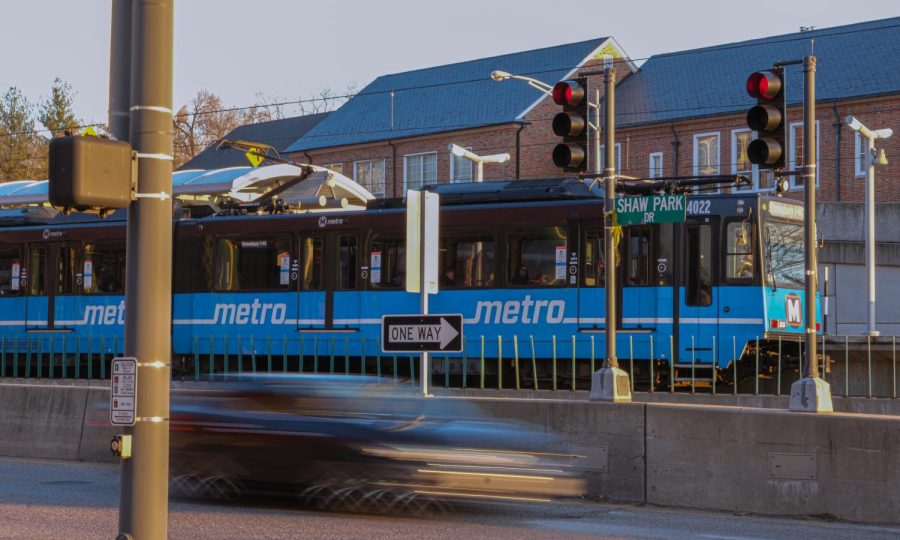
414	227
123	395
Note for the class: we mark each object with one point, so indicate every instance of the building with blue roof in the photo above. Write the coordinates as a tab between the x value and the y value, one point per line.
680	113
394	133
279	134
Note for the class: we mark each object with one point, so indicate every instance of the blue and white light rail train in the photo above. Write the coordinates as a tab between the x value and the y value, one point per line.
523	261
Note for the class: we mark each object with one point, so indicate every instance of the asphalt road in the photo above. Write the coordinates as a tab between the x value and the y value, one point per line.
72	500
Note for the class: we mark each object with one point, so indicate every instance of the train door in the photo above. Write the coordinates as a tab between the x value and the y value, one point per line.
639	278
699	310
315	306
592	285
343	284
52	275
330	278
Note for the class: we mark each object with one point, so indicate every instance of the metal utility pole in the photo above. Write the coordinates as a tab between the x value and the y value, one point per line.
120	70
609	132
810	394
144	497
610	383
870	160
809	184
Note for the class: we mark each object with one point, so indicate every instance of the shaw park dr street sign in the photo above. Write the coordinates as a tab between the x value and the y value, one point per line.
651	209
422	333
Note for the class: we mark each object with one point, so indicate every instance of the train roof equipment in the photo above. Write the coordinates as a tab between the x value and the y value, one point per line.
287	187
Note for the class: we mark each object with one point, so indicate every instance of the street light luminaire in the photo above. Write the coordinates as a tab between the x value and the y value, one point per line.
499	75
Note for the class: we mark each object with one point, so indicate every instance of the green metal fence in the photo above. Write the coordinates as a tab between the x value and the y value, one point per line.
854	366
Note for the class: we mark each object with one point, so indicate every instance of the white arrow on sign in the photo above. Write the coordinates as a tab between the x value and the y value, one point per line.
442	333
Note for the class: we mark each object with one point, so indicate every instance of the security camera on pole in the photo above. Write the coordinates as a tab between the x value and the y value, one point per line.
870	161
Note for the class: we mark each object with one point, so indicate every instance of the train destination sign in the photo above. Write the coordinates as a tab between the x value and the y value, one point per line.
422	333
651	209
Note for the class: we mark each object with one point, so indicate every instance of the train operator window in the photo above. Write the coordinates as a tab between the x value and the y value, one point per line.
594	271
699	265
251	264
537	257
639	261
312	263
348	265
739	264
10	271
467	260
387	261
104	268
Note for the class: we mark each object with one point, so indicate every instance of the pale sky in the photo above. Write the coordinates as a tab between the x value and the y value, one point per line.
291	49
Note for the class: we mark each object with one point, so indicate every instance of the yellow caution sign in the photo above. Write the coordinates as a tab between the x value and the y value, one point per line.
254	157
89	132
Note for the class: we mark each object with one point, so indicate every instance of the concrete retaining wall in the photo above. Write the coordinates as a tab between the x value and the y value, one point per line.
703	456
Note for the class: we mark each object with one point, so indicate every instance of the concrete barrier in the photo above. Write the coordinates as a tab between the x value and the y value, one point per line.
703	456
41	420
774	462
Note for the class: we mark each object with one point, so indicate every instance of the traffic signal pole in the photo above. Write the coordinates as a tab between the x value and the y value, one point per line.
144	496
810	394
610	383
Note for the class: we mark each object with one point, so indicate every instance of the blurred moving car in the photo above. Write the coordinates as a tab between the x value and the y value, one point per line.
356	443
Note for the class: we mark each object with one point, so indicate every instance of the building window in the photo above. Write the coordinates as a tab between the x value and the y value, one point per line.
460	168
336	167
370	175
796	151
859	156
706	154
740	163
419	170
656	164
618	158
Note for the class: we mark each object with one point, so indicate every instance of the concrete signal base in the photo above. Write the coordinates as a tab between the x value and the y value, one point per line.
612	385
811	395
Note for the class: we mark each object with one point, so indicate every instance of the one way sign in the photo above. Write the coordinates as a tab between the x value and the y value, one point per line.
421	333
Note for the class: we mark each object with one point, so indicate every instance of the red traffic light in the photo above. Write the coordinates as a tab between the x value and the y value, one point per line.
568	156
568	93
764	85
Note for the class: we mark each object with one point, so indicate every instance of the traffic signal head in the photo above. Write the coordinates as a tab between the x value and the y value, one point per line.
89	173
571	124
767	118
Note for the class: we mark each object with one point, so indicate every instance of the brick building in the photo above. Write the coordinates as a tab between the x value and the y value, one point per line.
681	113
395	133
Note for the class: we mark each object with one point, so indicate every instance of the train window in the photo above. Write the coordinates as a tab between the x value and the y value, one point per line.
594	270
387	261
640	262
699	265
248	264
467	260
739	251
312	263
537	257
348	265
104	268
37	268
10	271
784	254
